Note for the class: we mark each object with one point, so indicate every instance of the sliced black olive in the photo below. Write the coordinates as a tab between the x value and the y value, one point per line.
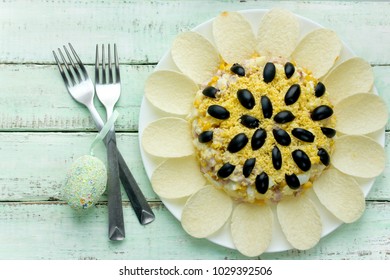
258	139
266	106
276	158
269	72
321	112
281	136
292	181
248	167
238	69
218	112
249	121
284	117
303	135
205	136
237	143
328	132
301	159
246	98
262	183
289	70
319	90
292	94
210	91
324	156
226	170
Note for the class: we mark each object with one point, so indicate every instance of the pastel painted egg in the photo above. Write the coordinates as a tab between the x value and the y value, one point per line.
85	182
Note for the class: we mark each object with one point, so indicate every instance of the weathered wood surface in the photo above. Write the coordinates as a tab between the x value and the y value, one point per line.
42	129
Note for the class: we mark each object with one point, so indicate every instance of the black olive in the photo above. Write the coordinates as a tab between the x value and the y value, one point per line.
289	69
238	69
249	121
226	170
303	135
262	182
210	91
324	156
266	106
248	167
319	90
292	94
281	136
284	117
292	181
276	158
301	159
269	72
246	98
321	112
218	112
258	139
205	136
328	132
237	143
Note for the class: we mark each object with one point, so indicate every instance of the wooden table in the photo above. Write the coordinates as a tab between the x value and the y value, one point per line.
43	130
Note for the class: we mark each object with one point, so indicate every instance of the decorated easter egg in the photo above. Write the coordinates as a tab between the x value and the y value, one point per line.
85	182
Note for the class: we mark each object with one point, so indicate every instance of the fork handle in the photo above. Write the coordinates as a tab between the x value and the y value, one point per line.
116	227
141	207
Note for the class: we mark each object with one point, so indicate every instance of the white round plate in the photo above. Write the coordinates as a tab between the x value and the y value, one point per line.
149	113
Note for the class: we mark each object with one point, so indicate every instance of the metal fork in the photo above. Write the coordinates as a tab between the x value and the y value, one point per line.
81	88
108	92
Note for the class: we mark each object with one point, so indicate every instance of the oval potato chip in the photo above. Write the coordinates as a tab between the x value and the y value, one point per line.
234	37
178	178
171	91
251	228
353	76
358	156
273	38
168	138
300	222
340	194
318	51
361	114
195	56
206	211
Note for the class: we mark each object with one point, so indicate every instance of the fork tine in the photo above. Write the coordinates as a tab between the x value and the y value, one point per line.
117	75
103	66
81	65
97	76
69	71
73	65
109	65
64	77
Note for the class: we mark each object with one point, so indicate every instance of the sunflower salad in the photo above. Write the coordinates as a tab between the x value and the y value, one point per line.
256	123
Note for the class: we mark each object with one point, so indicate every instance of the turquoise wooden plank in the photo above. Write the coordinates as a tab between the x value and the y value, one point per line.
54	231
43	103
34	97
33	165
145	29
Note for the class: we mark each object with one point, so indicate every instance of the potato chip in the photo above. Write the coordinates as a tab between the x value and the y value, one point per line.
168	138
234	37
318	51
195	56
178	178
273	38
206	212
361	114
350	77
300	222
358	156
251	228
340	194
171	91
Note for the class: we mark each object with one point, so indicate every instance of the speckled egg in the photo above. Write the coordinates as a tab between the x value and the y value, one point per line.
85	182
